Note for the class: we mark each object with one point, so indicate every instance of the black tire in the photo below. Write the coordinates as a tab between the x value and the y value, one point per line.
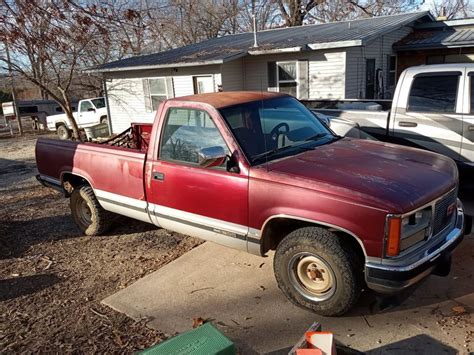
87	213
104	120
317	272
63	132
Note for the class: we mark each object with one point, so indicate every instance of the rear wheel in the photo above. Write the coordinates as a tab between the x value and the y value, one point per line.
316	271
63	132
103	120
87	213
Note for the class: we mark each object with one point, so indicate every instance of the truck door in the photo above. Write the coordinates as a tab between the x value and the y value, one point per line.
429	114
467	145
206	202
86	115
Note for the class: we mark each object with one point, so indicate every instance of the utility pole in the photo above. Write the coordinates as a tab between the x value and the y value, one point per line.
17	113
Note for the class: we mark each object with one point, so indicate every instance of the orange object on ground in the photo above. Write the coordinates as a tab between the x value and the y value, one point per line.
309	352
322	341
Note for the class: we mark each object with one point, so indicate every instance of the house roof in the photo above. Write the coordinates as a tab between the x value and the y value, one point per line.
432	39
292	39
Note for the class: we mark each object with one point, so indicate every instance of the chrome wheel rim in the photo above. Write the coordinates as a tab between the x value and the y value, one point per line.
312	276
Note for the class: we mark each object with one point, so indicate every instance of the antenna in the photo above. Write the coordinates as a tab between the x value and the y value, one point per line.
262	120
254	20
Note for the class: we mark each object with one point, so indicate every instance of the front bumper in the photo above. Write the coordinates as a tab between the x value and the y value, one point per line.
393	278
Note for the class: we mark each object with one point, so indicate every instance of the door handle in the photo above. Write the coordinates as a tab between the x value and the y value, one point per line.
470	128
407	124
158	176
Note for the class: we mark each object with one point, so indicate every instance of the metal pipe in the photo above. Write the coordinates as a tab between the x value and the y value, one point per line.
15	107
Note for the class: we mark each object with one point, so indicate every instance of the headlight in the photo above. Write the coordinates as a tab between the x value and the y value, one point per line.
415	228
402	233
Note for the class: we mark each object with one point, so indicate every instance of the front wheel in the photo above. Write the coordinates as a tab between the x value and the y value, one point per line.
104	120
316	271
87	213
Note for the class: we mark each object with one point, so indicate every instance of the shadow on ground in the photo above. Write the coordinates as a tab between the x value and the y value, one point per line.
420	344
19	236
21	286
15	171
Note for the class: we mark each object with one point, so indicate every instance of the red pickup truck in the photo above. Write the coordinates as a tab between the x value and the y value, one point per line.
259	172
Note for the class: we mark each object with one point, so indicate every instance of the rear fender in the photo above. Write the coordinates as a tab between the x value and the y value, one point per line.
76	177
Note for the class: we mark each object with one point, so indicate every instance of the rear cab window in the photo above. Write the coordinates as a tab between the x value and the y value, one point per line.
434	92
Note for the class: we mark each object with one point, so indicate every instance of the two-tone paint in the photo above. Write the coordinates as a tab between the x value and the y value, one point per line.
348	186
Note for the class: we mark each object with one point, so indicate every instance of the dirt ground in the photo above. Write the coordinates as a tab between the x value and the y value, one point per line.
52	278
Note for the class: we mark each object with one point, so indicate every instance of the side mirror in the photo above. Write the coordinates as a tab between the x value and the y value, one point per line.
323	118
212	156
91	109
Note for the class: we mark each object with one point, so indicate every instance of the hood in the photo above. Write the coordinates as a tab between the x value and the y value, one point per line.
382	175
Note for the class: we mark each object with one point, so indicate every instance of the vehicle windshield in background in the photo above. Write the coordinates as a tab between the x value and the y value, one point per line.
99	103
269	128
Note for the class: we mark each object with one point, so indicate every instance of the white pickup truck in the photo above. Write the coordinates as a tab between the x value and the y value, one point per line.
432	108
90	113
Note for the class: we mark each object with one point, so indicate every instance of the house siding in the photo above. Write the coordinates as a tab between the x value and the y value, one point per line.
126	101
232	75
356	57
183	85
327	75
126	97
326	72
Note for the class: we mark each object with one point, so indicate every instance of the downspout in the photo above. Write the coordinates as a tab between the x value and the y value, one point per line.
109	118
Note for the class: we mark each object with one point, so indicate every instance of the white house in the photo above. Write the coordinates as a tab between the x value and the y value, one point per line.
342	60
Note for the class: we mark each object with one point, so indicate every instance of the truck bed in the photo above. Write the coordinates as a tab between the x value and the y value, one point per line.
373	122
98	164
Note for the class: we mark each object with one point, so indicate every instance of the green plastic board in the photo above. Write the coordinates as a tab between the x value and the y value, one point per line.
203	340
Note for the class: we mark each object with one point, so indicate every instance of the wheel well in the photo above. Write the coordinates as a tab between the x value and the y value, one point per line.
71	181
278	228
60	124
102	117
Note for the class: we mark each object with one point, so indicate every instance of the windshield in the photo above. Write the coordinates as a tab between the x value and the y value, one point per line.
269	128
99	103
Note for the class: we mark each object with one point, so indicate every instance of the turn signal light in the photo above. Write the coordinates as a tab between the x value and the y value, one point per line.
393	238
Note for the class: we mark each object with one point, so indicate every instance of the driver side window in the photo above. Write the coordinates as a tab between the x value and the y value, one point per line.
187	131
85	105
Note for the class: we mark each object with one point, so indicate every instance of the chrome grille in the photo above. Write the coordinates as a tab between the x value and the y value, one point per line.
441	217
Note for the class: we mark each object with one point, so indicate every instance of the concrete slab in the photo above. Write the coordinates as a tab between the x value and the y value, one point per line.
238	293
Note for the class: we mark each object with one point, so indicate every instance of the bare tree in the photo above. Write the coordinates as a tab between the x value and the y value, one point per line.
48	40
293	12
451	8
298	12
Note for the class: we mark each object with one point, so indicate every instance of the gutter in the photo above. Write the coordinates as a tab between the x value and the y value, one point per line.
165	66
340	44
415	47
275	51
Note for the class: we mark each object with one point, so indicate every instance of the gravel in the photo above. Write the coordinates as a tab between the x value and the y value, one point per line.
52	278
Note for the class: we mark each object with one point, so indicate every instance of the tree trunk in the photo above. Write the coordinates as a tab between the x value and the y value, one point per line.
67	107
73	123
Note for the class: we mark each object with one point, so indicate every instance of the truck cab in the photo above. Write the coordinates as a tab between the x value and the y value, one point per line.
433	108
91	112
